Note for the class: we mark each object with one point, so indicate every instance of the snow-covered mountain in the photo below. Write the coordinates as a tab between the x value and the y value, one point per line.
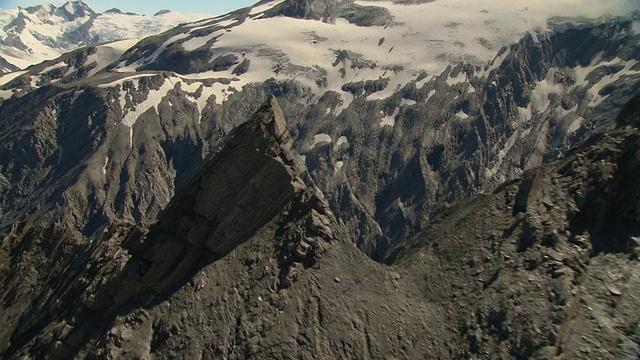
358	41
33	34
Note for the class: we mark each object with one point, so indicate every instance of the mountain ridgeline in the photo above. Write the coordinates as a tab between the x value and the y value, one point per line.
247	261
213	192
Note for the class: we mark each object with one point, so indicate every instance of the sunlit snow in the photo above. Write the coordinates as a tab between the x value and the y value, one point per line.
43	36
342	140
320	139
426	38
462	115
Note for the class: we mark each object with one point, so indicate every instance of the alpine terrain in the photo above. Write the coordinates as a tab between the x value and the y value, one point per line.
33	34
330	179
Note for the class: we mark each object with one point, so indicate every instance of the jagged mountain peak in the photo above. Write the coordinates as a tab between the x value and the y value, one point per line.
69	10
113	11
75	9
162	12
258	165
254	188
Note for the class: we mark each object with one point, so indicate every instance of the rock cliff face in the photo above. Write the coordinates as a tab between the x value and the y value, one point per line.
546	266
385	165
247	187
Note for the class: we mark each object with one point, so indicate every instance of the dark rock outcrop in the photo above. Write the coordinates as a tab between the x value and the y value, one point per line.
330	10
253	179
6	67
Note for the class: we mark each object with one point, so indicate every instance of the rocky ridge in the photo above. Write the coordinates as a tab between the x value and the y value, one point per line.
545	267
255	177
554	255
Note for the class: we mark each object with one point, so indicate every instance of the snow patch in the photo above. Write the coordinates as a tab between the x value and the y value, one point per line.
69	8
104	168
431	93
540	95
108	53
342	140
421	83
6	78
575	125
502	154
609	79
345	100
494	64
396	82
407	102
462	115
193	88
562	112
582	73
390	120
525	114
460	78
153	99
319	139
6	94
53	67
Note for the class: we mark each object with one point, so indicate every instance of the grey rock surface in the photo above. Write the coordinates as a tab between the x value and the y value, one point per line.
545	267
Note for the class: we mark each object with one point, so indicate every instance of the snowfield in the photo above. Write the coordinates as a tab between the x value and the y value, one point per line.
108	53
423	38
